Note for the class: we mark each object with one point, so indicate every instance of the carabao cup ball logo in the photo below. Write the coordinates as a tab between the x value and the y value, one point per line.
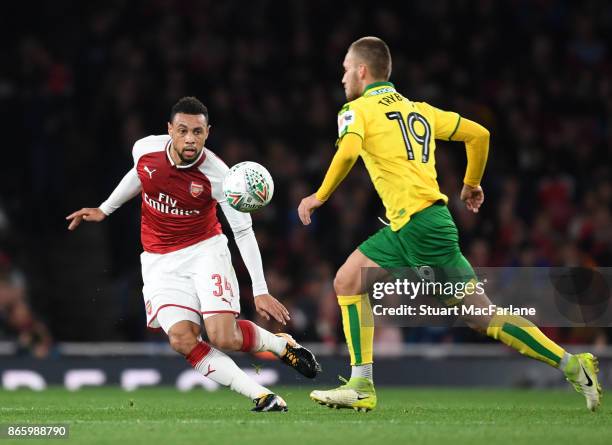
248	186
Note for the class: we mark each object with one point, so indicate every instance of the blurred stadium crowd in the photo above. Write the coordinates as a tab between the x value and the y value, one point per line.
537	74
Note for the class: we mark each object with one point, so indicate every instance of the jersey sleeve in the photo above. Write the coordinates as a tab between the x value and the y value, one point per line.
451	127
350	120
343	161
148	145
476	139
445	123
127	189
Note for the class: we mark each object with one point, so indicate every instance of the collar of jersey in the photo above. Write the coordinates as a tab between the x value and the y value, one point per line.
168	145
370	89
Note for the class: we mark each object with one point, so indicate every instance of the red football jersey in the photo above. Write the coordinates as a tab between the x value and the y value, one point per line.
179	202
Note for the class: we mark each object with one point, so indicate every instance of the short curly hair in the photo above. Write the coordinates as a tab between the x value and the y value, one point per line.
188	105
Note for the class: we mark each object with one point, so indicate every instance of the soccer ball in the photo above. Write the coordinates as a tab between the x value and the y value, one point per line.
248	186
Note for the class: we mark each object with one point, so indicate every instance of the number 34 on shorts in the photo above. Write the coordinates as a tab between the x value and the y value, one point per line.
198	278
223	287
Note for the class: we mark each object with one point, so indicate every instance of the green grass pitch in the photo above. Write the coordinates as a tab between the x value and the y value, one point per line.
406	416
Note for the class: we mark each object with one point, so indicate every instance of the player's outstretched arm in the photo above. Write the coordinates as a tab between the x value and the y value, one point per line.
128	188
344	159
85	214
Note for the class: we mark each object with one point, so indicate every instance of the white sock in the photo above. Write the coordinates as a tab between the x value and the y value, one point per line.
221	369
256	339
363	371
267	341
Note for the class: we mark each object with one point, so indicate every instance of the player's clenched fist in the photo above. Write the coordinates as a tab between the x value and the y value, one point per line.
87	214
473	197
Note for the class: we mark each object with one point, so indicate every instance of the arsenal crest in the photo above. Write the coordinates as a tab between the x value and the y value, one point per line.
196	189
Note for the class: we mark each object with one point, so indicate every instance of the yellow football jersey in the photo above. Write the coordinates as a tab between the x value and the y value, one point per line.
398	147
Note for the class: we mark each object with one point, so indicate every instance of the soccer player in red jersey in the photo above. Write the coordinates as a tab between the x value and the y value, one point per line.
186	264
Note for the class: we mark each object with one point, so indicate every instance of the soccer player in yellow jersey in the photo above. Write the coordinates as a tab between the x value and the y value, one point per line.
395	137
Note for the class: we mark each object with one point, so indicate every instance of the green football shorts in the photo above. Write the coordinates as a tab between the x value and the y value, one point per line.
430	238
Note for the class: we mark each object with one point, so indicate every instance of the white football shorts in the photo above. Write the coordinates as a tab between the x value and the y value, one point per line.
190	283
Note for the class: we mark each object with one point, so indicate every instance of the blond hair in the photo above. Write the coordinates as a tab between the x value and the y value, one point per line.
376	55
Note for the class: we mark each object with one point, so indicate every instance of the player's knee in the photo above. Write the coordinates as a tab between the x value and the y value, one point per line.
183	342
345	282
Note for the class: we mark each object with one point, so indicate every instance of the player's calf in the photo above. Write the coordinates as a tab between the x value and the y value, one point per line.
225	332
228	339
257	339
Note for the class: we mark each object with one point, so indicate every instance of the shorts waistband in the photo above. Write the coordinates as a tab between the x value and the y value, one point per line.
207	242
